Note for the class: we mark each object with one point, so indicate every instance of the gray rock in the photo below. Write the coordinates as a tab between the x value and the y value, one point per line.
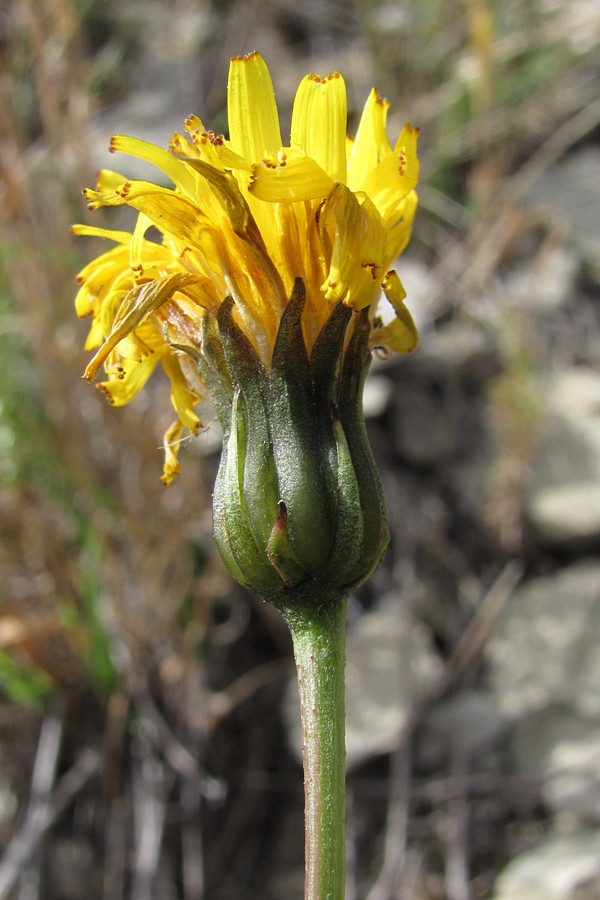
424	425
421	297
548	284
469	721
559	868
569	194
376	395
563	751
545	646
162	83
563	500
567	515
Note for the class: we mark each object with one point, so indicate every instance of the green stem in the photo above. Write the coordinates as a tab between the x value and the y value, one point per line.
318	635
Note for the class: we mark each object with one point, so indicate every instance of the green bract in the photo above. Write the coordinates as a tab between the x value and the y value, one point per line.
298	497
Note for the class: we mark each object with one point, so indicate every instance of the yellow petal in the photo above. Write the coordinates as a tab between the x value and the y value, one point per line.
85	301
210	147
140	303
193	124
371	143
232	200
251	108
183	398
121	388
171	444
395	176
319	122
107	180
172	213
358	248
295	179
400	335
135	255
121	237
97	275
229	159
406	151
95	335
399	232
243	224
110	300
138	344
173	168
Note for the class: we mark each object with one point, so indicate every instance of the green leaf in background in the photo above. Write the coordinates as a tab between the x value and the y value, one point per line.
22	684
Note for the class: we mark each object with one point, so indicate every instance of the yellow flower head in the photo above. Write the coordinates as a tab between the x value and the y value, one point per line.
245	218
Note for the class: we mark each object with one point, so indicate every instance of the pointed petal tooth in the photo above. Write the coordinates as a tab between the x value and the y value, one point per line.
371	143
395	177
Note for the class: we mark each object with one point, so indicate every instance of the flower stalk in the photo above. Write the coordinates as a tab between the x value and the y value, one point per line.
318	634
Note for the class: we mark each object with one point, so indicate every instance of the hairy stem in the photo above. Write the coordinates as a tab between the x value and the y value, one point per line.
319	648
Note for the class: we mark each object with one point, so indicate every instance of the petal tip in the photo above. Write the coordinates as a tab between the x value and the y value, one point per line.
245	57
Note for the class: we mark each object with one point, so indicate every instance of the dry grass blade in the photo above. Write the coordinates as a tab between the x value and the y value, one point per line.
479	628
149	807
396	832
43	814
577	127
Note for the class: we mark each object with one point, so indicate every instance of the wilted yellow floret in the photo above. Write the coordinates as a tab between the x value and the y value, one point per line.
246	217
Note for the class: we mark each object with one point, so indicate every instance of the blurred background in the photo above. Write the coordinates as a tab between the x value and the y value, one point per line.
148	737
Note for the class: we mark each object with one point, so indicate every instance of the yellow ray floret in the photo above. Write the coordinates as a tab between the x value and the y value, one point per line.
246	216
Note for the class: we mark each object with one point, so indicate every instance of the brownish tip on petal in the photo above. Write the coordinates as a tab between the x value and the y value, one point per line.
321	79
248	56
372	267
102	388
253	177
